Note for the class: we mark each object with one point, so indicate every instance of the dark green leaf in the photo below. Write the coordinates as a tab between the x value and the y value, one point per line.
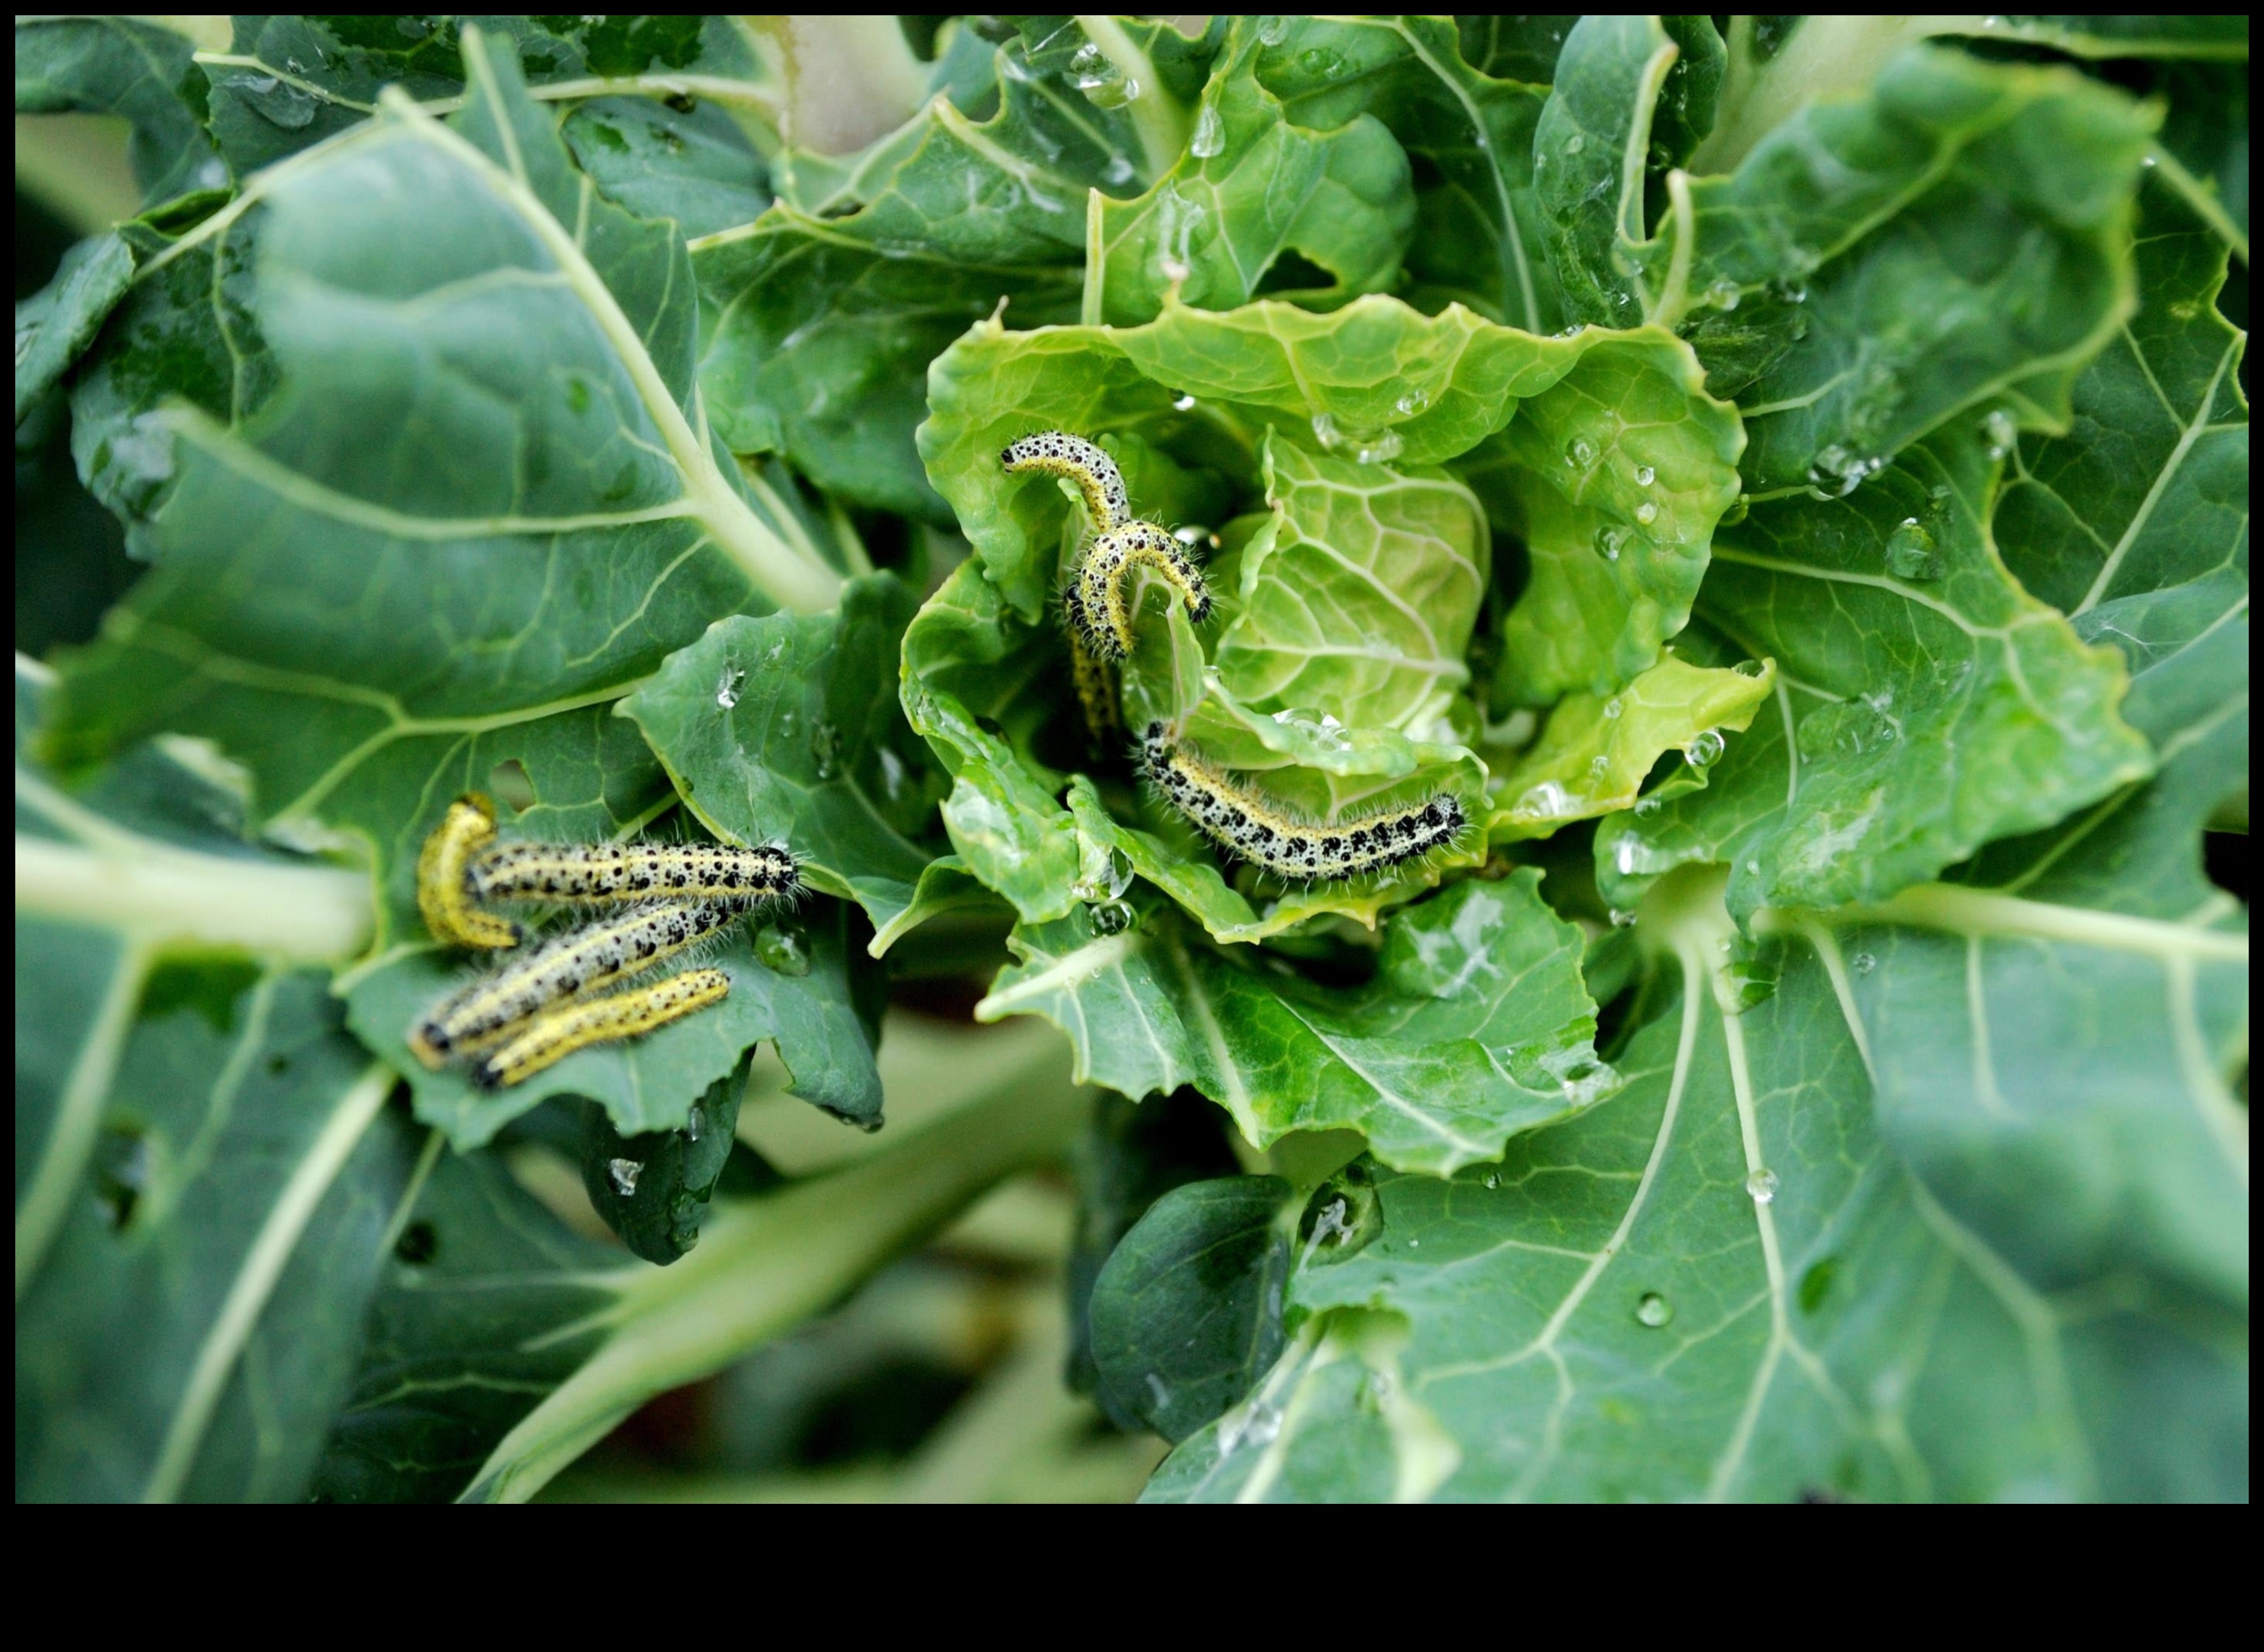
1187	1314
53	326
653	1188
127	67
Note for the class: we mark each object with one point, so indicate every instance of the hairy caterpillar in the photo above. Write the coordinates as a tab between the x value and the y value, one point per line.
1242	822
1098	601
556	1034
442	892
603	872
1058	453
1096	692
596	956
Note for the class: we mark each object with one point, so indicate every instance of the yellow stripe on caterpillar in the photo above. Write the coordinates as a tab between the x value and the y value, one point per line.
1058	453
553	1035
443	894
1098	601
613	872
1245	823
581	960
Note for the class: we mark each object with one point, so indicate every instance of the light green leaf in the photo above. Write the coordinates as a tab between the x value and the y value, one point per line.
1723	1286
1589	149
1475	1026
1254	184
788	730
1924	705
1595	754
822	314
478	503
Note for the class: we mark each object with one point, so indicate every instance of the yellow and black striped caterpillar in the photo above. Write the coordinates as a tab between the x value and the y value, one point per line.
1247	824
444	892
608	873
555	1033
599	954
1098	601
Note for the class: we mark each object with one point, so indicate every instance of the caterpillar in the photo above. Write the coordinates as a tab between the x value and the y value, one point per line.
442	894
1096	692
1242	822
605	872
596	956
1098	602
556	1033
1058	453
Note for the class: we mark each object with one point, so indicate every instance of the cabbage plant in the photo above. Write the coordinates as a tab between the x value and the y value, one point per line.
1784	480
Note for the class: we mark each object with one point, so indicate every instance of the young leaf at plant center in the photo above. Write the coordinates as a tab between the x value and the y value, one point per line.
130	66
1132	1153
1957	240
1722	1285
1613	480
1187	1312
788	730
1924	703
1251	186
476	501
653	1188
1475	1026
800	977
287	83
1595	754
821	315
203	1157
1469	139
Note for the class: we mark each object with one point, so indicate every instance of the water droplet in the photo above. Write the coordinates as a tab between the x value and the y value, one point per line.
1272	31
1613	709
1646	514
1653	1310
1911	554
1647	806
1574	144
1112	918
784	947
1210	133
2000	432
1609	541
275	101
826	748
1183	402
691	1122
1704	749
1362	448
1724	295
1413	403
1622	918
1158	1391
1598	766
727	686
623	1173
1119	169
1863	963
1762	1185
1580	453
1750	668
1644	476
2185	310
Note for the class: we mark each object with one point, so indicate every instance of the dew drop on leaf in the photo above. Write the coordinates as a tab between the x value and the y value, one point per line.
1574	144
1613	709
1609	541
1911	554
1863	963
1580	453
783	948
623	1174
1413	403
1653	1310
826	748
1210	133
1762	1185
1644	476
1705	749
1646	514
1723	294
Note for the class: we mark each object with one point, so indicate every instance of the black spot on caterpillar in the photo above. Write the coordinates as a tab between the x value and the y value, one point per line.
596	956
442	894
604	872
1057	454
555	1034
1098	601
1244	822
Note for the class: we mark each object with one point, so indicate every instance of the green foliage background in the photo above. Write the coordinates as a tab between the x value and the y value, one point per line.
1790	485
